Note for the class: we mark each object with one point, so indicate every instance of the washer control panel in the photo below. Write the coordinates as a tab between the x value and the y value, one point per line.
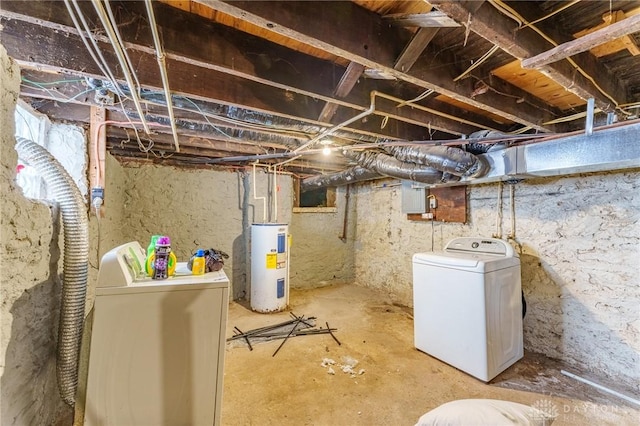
480	246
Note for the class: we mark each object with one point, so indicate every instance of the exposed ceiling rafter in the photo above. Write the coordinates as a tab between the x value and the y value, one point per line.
523	43
584	43
307	24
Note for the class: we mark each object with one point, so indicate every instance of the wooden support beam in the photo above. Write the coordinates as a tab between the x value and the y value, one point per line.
414	49
523	43
433	19
346	83
277	77
306	23
625	42
582	44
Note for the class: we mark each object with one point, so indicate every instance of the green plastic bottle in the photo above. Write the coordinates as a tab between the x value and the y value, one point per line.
152	244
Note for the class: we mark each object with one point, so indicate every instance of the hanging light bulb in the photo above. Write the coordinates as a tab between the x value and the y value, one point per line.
326	150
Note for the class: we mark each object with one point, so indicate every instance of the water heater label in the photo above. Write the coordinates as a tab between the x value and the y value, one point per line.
272	260
282	243
280	288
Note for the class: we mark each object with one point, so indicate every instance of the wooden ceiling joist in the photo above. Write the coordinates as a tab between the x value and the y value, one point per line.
414	48
346	83
222	63
524	43
584	43
433	19
314	26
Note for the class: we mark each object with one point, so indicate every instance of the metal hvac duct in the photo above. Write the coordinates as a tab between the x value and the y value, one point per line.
76	261
614	148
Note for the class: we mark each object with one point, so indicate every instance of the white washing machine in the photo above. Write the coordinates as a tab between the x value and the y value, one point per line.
156	346
468	307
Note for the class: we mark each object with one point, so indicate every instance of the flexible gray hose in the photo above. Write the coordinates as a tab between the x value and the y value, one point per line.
390	166
351	175
448	159
76	261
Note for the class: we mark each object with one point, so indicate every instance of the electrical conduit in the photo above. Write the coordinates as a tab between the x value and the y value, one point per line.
76	261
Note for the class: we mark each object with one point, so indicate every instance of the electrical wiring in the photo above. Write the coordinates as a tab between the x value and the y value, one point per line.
51	83
97	136
243	124
95	52
560	120
31	136
141	146
507	10
420	97
58	96
479	62
560	9
204	115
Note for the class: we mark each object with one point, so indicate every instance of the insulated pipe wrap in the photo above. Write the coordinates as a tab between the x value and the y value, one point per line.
390	166
447	159
351	175
75	265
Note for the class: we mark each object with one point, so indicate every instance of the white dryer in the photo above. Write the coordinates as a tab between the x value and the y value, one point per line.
467	305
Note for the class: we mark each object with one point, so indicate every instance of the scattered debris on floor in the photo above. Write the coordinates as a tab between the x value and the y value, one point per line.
298	326
347	366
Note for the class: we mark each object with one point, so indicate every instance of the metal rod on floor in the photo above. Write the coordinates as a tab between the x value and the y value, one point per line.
246	338
266	328
301	319
332	335
286	338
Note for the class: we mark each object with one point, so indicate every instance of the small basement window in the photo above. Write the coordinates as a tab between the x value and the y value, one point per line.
65	142
321	200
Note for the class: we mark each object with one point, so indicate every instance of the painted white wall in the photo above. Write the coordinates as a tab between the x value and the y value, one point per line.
579	240
29	285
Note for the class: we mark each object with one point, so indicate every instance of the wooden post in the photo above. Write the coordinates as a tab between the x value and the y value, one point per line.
97	147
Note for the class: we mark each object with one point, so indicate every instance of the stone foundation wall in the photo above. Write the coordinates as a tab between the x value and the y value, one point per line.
29	285
579	239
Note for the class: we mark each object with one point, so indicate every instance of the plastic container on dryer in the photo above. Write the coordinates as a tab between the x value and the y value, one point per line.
199	263
162	262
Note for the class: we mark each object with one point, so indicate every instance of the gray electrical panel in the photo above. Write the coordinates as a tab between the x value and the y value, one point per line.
414	199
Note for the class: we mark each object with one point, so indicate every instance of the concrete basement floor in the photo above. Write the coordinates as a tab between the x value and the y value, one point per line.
399	383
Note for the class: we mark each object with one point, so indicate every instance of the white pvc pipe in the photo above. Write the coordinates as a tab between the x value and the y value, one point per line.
121	56
255	197
163	72
275	196
602	388
370	110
